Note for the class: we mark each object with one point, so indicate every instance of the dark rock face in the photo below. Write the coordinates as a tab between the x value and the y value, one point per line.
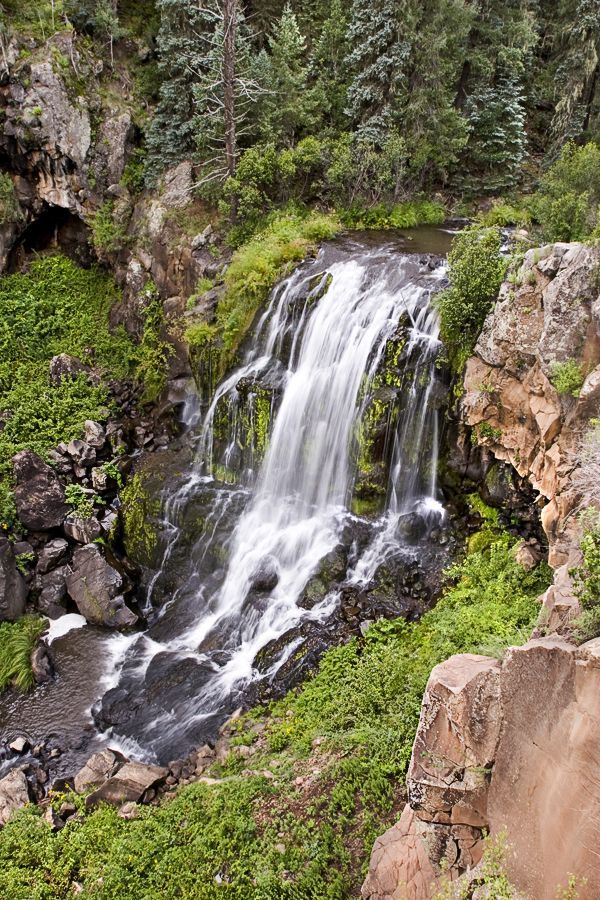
13	589
129	784
84	531
265	577
53	592
95	587
39	495
41	663
64	367
51	555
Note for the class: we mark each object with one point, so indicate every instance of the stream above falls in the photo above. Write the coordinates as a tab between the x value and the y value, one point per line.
300	504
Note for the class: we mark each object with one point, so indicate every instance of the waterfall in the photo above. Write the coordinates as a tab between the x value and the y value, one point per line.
311	374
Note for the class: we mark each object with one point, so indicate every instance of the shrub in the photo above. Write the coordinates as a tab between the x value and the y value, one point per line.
504	214
109	232
476	269
80	502
567	202
393	215
567	377
586	461
17	640
587	581
10	211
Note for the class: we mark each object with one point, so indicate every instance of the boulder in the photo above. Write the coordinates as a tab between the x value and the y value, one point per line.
82	453
399	868
14	793
94	434
64	367
95	587
265	576
39	495
128	785
13	589
84	531
52	555
98	769
53	592
42	666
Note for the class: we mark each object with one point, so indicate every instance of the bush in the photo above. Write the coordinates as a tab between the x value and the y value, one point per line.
587	582
17	640
567	377
109	232
393	215
567	203
476	269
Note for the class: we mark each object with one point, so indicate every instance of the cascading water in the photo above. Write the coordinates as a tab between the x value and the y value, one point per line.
314	361
311	471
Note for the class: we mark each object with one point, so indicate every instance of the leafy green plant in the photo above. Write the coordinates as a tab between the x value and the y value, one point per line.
10	211
476	269
154	351
111	470
80	502
17	640
503	214
567	377
568	200
109	232
587	582
23	561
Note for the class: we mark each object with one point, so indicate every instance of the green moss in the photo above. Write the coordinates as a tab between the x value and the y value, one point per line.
154	352
17	640
137	512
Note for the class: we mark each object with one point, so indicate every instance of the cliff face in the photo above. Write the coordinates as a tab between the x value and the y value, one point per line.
513	744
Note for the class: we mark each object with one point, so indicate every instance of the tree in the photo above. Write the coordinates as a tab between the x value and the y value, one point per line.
329	69
578	73
289	108
182	38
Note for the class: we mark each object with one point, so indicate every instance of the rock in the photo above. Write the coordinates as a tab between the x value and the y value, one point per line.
52	555
201	239
14	793
13	589
98	769
39	495
399	868
95	587
84	531
129	784
129	810
42	666
266	575
53	593
19	745
64	367
178	185
527	555
94	434
82	453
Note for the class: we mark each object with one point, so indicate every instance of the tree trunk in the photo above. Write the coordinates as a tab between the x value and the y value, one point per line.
229	25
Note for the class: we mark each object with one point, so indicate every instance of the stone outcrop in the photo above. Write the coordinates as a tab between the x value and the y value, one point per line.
130	784
96	589
13	589
14	793
551	316
502	745
39	495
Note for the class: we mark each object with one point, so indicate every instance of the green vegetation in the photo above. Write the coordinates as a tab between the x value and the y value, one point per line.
139	535
109	230
17	640
305	832
394	215
54	308
567	377
475	272
255	268
587	582
10	211
79	501
491	877
154	351
567	204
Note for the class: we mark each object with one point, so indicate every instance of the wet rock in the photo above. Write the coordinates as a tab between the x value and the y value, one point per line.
13	589
129	784
84	531
64	367
42	665
52	554
19	745
95	588
98	769
14	793
53	593
39	495
266	576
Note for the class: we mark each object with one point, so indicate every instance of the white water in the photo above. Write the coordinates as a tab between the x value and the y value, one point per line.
322	354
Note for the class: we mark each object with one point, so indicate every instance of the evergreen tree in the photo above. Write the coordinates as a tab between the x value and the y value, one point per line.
185	28
289	108
578	73
329	69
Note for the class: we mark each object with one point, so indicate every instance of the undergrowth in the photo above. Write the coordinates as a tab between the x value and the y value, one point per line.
17	640
284	836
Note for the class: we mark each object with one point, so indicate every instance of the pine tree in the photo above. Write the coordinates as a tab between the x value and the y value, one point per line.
578	74
329	69
289	108
184	30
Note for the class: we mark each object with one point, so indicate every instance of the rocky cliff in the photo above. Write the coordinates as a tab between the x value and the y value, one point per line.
512	744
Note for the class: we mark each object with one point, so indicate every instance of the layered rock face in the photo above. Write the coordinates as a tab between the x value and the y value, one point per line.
553	316
511	745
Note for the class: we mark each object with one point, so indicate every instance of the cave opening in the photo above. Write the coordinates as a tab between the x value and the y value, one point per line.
54	229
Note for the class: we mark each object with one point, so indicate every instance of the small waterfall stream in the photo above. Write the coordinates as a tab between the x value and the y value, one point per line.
312	470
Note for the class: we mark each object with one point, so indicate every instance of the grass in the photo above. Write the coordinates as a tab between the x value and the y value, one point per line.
394	215
17	640
335	751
